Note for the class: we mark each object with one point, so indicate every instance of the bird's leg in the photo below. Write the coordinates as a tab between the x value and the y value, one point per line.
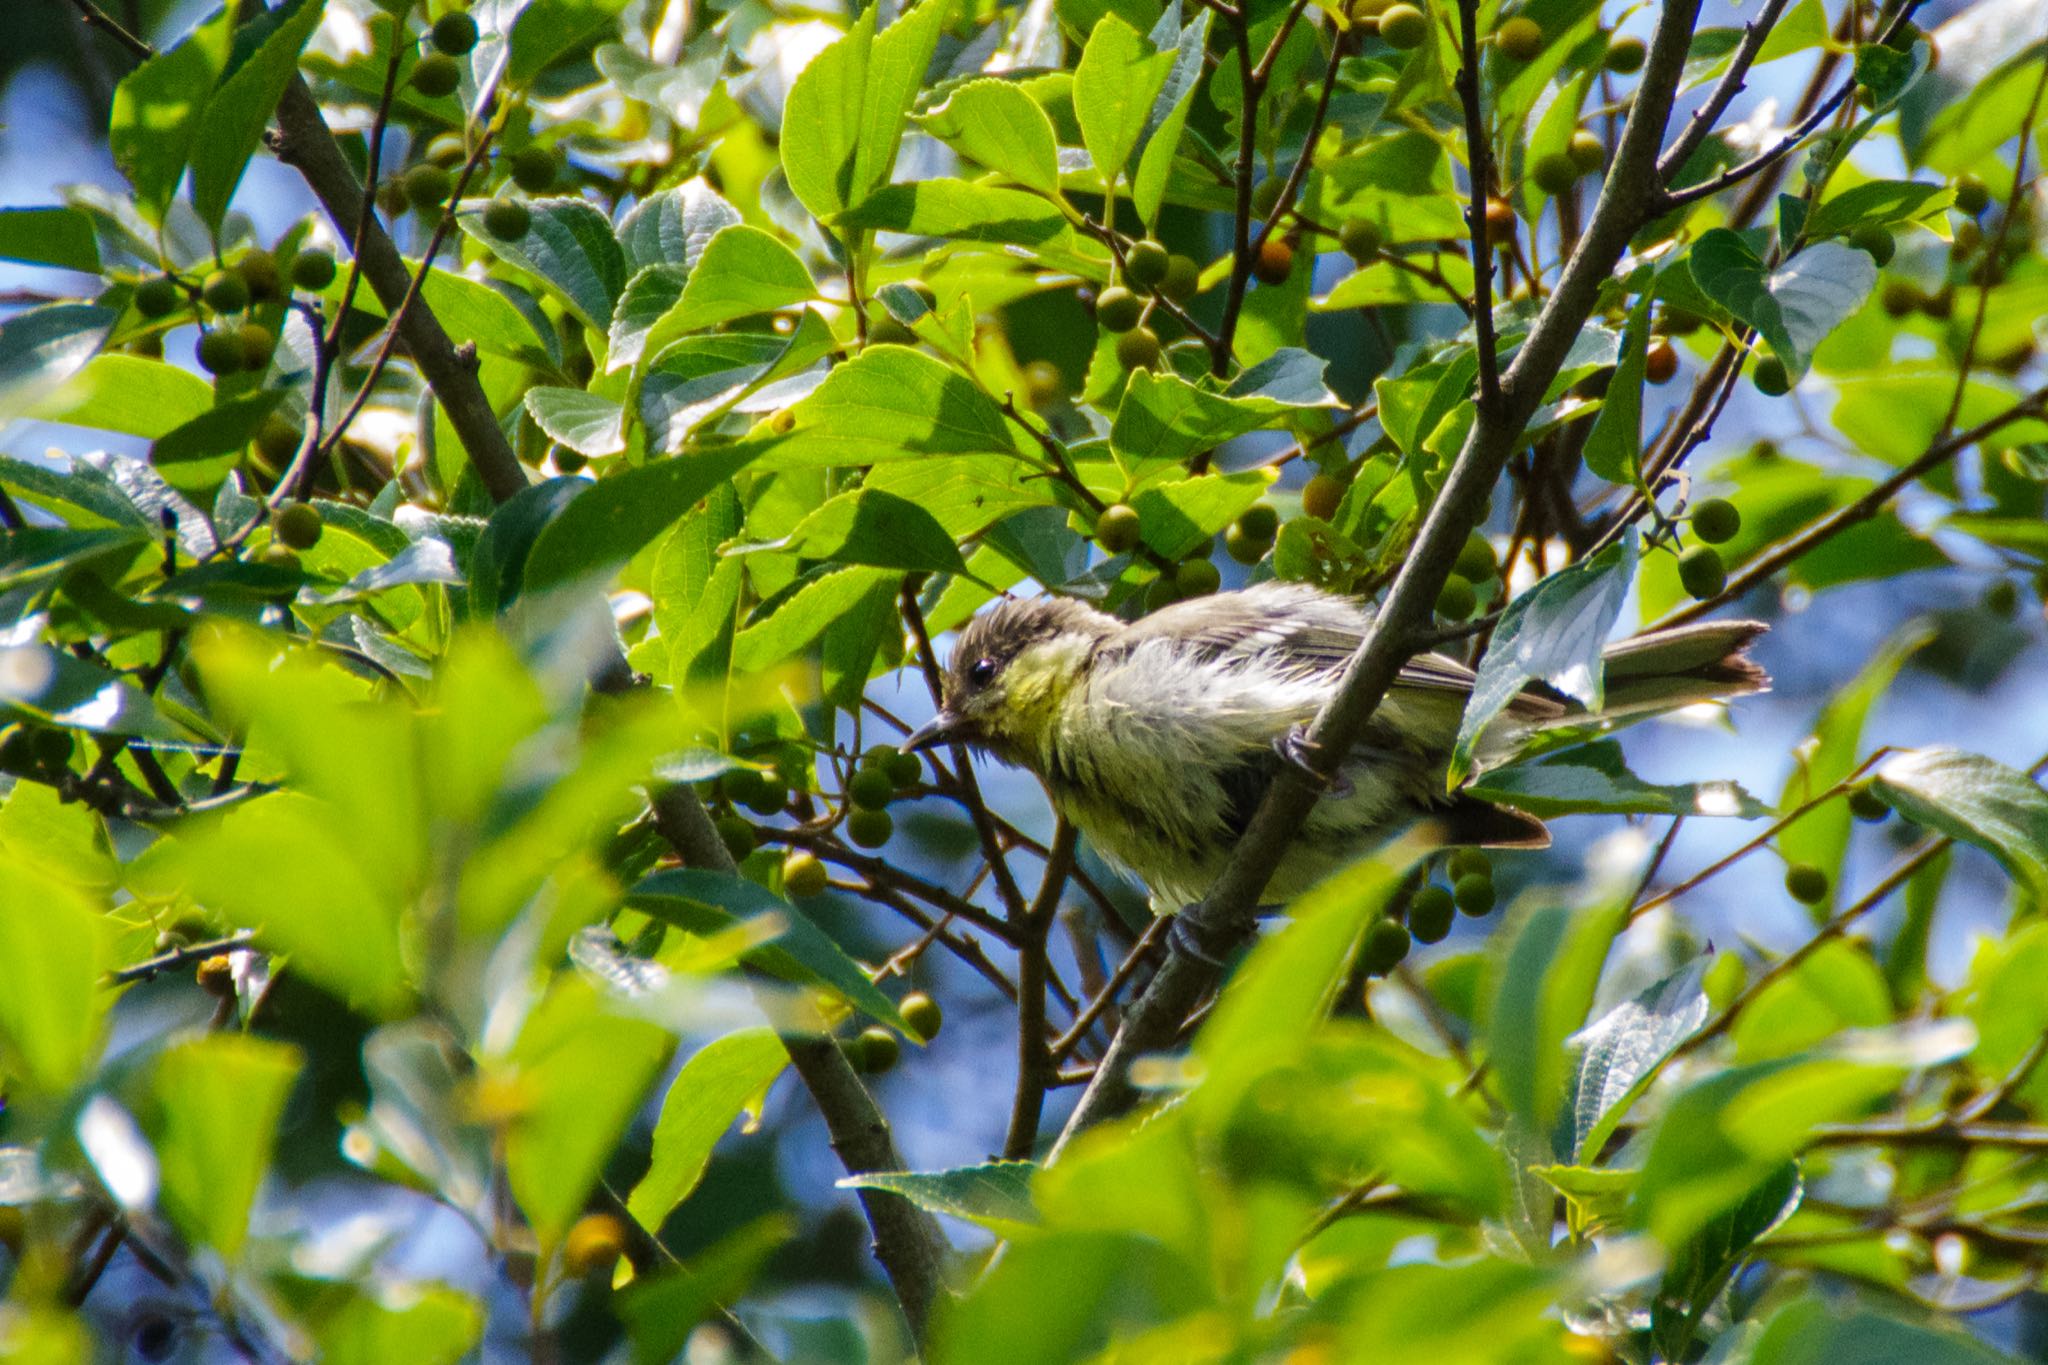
1298	751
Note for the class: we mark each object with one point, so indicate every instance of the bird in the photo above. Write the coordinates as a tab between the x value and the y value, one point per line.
1157	738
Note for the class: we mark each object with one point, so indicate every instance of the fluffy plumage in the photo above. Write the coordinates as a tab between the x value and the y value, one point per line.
1157	738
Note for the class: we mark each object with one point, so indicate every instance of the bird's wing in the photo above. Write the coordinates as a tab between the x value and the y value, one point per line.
1307	629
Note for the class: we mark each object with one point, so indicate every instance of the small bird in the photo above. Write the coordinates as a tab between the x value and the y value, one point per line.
1157	738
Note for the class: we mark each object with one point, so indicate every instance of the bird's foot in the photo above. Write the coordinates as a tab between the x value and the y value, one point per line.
1190	937
1299	752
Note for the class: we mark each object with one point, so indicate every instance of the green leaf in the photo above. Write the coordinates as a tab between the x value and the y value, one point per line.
695	379
893	403
128	394
547	29
60	237
196	456
1812	1331
1178	517
1549	957
712	1089
499	559
650	296
960	209
570	248
844	116
219	1099
1118	78
1614	448
237	112
996	1194
704	902
673	227
279	865
1161	139
39	552
1702	1266
588	423
1594	779
2006	1001
157	110
663	1310
607	524
41	348
1164	419
60	689
52	998
1879	203
743	271
1795	306
1554	632
1977	800
424	1325
584	1071
994	123
1615	1057
869	526
801	617
965	494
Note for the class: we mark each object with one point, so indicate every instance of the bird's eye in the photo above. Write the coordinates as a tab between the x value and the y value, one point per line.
155	1337
982	672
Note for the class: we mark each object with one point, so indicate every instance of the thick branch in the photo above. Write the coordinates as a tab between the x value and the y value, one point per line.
1703	119
308	145
1225	918
908	1242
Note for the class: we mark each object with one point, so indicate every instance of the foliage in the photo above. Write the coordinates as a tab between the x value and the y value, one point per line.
445	701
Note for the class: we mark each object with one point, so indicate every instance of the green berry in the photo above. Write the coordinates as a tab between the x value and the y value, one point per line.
1473	894
1361	238
881	1049
1430	914
1865	804
1117	528
1183	278
768	797
1321	496
1458	599
1587	151
737	834
1725	977
905	770
886	331
225	292
1259	521
1876	242
870	828
1555	173
535	169
1196	578
1770	377
803	876
298	525
1117	309
258	270
1520	38
220	350
1715	521
1138	349
1266	196
1625	56
157	297
1973	196
923	1015
1403	27
1386	943
1477	562
436	75
1244	548
428	186
1468	862
313	270
257	342
507	219
1146	264
1899	297
1161	593
455	33
1806	883
870	789
1702	572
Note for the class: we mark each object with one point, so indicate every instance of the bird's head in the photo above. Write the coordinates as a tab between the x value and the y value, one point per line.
1009	672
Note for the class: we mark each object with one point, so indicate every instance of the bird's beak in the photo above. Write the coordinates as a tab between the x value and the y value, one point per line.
940	729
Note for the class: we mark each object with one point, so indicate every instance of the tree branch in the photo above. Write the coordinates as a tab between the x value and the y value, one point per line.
1226	916
1697	128
1479	167
1035	1068
307	144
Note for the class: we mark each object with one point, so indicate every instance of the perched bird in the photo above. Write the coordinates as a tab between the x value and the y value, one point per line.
1157	738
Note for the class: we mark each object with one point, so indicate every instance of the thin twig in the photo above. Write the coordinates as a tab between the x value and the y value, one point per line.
1035	1068
1479	159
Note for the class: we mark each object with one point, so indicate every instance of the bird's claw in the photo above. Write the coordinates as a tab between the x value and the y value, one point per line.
1185	936
1299	752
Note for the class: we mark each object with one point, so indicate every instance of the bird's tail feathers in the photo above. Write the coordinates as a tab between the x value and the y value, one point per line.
1661	670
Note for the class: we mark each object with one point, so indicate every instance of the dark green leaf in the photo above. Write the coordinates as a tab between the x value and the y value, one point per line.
1978	800
1595	779
60	237
41	348
607	525
1615	445
995	1194
1881	203
1794	306
548	29
673	227
869	526
157	110
588	423
53	686
236	113
570	248
1617	1055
